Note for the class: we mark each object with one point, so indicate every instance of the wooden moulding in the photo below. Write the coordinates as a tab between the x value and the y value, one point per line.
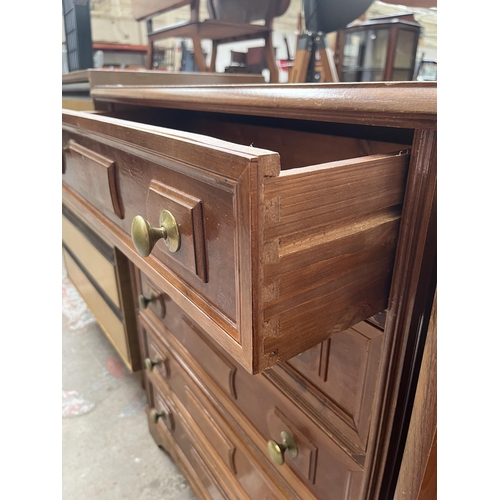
397	104
311	249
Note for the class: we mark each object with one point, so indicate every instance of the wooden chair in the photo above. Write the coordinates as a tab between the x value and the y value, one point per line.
229	21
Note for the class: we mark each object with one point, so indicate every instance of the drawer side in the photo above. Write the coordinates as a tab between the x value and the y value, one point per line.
329	242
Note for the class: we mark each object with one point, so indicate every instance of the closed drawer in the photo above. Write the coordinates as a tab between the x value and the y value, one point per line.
322	465
272	259
215	452
334	380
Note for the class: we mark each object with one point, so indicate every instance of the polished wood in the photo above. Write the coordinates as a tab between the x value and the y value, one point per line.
77	85
398	104
306	233
412	292
417	479
287	179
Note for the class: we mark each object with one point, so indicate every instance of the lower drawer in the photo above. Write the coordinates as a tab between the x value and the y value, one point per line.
258	408
216	454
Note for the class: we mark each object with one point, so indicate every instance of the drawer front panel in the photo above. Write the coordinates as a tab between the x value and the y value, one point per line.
208	428
334	382
270	263
270	413
221	367
199	181
204	264
93	175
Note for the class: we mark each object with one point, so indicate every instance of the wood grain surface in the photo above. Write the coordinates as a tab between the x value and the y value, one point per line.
408	104
418	473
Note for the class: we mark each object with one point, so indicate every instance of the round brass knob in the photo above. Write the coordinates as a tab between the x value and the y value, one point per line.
277	450
150	364
144	301
154	415
145	236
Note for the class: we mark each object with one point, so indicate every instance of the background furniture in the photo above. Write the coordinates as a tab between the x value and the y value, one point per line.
284	253
102	275
320	18
230	21
381	49
78	33
77	85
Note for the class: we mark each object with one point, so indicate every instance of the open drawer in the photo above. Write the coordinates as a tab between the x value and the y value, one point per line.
269	258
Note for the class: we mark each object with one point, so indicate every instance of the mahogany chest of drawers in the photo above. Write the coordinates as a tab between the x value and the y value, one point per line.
282	241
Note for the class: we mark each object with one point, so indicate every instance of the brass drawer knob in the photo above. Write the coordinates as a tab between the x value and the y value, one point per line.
154	415
150	364
144	301
145	236
277	450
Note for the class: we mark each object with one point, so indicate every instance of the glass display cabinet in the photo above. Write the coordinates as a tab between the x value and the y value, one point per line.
380	49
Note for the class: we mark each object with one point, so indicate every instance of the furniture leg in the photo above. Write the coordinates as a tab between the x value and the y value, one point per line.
149	56
274	74
299	71
198	55
329	71
215	46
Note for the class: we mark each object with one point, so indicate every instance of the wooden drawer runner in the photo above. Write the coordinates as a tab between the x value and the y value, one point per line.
272	260
200	431
321	465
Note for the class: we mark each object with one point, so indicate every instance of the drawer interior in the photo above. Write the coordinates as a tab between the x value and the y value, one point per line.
300	143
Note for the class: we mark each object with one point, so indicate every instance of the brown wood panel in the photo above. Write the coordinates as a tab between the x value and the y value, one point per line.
234	472
417	479
321	397
397	104
329	244
271	412
199	412
410	302
187	211
322	147
253	233
93	175
340	375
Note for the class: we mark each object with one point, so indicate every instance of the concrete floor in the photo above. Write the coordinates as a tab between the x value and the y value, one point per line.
107	451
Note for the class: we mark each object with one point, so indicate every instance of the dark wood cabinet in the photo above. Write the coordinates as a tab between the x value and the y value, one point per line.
283	246
379	49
